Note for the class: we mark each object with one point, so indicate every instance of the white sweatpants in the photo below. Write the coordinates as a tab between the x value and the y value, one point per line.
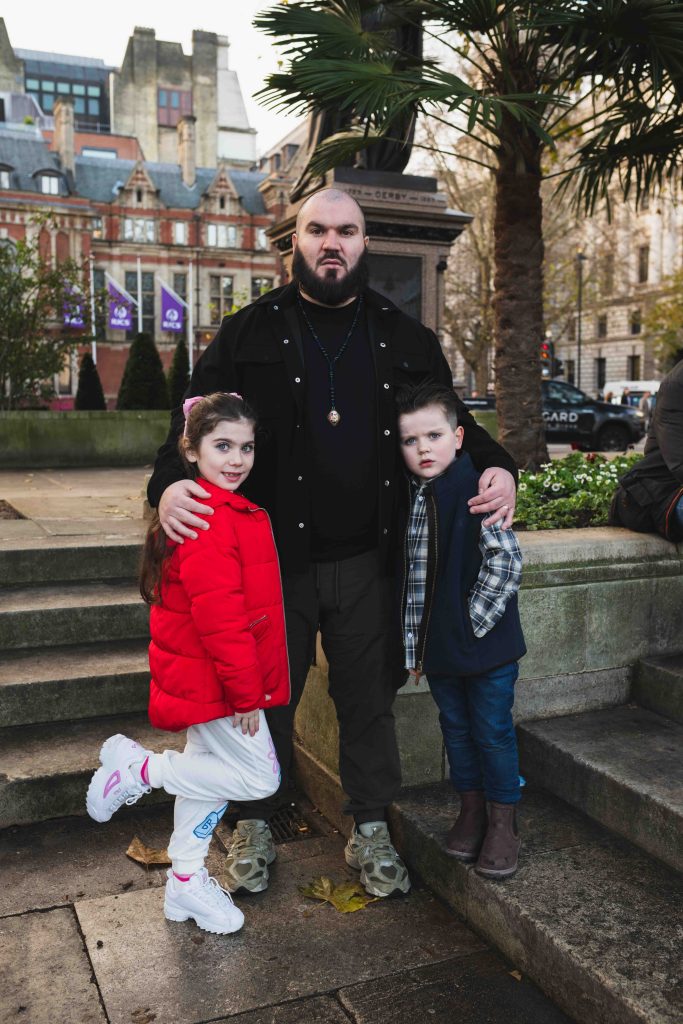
219	764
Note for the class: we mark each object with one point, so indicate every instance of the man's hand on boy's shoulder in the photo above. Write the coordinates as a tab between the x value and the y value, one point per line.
497	496
178	510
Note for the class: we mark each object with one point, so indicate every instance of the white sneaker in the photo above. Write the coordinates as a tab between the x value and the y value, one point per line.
118	781
202	899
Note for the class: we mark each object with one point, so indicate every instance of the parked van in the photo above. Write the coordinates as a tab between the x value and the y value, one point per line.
637	389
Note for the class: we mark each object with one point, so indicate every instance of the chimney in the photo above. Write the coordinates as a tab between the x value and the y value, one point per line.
187	149
64	133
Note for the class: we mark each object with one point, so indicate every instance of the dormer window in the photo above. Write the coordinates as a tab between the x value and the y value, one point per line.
4	177
49	184
221	202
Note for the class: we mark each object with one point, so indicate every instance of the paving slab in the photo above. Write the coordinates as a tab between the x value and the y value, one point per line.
45	976
289	948
316	1010
475	989
622	766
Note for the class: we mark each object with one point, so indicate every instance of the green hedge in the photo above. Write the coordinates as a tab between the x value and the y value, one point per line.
60	440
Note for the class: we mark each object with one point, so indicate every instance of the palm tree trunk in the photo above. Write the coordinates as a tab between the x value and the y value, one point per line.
518	299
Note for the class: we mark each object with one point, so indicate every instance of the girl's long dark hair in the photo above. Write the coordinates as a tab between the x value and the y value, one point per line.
201	420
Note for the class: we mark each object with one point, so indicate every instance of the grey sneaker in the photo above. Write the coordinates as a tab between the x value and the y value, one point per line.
382	871
251	851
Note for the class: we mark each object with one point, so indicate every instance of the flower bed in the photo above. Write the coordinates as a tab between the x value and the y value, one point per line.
575	491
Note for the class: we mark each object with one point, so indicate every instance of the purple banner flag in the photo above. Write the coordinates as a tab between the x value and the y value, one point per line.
172	311
120	314
73	309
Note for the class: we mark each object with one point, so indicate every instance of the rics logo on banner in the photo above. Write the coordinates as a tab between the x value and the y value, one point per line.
172	311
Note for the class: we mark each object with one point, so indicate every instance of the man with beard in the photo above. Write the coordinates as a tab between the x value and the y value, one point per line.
319	360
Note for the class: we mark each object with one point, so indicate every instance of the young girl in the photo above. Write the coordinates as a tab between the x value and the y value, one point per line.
218	656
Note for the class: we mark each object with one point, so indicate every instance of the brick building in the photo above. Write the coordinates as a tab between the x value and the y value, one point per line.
112	205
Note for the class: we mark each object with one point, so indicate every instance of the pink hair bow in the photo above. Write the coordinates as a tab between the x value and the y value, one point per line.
187	405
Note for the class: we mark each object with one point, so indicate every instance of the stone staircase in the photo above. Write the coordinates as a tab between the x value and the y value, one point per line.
594	912
73	670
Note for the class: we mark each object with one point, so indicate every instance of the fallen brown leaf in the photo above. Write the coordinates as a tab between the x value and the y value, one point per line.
346	898
145	854
516	975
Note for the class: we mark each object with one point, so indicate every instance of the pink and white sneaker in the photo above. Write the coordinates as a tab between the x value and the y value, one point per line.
118	781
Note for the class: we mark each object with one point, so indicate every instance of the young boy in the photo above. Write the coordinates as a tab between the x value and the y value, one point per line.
461	627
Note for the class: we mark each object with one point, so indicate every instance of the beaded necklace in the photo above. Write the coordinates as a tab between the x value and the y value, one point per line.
333	416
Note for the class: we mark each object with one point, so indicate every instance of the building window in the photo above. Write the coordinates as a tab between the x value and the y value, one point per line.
99	154
260	285
220	298
261	238
49	184
633	368
608	274
172	105
180	232
97	229
643	263
601	331
180	285
4	179
221	236
131	286
600	372
571	371
636	324
137	229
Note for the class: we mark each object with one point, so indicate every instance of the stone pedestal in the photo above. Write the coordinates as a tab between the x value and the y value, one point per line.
411	231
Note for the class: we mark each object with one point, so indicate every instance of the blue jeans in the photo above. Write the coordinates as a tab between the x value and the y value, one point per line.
679	511
475	713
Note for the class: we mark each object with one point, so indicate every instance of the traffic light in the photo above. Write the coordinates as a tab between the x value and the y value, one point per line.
546	358
558	367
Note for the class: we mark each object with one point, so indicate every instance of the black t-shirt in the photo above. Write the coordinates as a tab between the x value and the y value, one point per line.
342	459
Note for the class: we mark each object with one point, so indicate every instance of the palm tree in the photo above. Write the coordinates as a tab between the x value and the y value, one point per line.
608	74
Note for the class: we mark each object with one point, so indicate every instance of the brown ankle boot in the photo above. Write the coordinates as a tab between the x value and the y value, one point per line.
465	838
498	856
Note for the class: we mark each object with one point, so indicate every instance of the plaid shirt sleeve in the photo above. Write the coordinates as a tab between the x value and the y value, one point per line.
499	578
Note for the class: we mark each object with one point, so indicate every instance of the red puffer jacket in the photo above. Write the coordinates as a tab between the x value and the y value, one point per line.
218	637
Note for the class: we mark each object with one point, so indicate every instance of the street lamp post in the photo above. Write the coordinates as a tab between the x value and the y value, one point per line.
580	260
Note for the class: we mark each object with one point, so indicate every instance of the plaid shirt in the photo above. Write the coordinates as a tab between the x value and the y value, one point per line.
417	542
498	580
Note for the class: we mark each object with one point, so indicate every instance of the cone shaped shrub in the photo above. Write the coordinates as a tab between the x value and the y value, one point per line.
143	385
179	374
89	394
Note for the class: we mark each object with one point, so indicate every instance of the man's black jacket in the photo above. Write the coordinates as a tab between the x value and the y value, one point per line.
258	352
647	496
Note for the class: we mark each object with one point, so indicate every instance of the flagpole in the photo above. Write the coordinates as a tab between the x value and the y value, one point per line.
190	317
93	327
139	296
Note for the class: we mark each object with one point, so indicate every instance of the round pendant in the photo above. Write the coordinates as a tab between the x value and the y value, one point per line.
333	417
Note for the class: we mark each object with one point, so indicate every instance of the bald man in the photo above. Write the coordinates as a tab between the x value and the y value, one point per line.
319	359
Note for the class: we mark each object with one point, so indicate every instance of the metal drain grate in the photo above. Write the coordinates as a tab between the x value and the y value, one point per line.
289	824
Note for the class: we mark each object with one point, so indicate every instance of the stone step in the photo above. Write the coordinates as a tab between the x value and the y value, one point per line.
658	685
593	920
45	769
621	766
71	613
53	559
63	683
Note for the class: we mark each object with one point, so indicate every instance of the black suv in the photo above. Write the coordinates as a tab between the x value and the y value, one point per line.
571	417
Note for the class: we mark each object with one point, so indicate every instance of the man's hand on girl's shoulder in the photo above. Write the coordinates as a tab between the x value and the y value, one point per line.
178	510
497	495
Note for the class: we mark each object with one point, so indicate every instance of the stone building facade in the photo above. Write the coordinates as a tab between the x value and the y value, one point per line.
170	185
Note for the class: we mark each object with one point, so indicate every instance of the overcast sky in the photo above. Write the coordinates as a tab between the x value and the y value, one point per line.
94	30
